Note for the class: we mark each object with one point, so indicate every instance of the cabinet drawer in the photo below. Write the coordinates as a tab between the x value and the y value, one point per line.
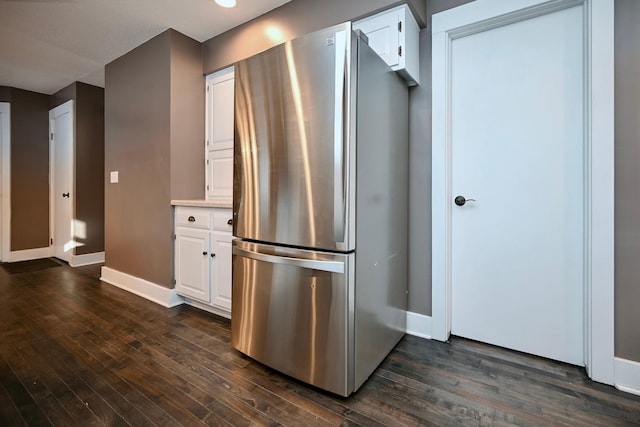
221	218
193	217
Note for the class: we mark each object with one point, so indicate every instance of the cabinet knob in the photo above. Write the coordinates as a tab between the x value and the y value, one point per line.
213	255
230	222
204	253
191	219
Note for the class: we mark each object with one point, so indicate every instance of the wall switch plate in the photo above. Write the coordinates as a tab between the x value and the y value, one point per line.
114	177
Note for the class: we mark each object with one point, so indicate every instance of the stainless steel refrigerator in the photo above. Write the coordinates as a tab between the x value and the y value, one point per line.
320	209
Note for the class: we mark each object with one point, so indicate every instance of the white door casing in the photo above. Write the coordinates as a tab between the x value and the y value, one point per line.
61	129
5	177
597	198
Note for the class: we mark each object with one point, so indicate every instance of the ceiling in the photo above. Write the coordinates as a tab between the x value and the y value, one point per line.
46	45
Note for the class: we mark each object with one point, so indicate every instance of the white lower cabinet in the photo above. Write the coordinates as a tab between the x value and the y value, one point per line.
203	256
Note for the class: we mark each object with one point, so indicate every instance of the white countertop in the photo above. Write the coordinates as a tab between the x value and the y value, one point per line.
204	203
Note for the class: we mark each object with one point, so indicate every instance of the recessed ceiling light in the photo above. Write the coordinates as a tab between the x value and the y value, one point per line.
226	3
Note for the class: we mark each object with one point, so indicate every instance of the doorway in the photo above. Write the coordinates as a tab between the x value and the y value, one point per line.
522	260
61	132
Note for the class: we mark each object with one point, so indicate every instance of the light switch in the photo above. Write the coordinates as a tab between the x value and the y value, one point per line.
114	177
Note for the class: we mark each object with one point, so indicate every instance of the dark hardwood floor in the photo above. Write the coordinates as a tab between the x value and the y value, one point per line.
75	351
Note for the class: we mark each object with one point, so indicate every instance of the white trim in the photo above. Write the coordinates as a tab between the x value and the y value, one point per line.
29	254
627	376
60	110
148	290
5	168
600	287
418	325
206	307
599	201
86	259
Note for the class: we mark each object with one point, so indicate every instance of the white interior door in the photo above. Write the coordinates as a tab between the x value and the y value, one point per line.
61	180
517	138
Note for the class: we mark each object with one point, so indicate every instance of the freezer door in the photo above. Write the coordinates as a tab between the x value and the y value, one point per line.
290	179
290	311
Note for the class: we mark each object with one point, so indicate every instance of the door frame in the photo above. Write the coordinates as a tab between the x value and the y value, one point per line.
66	108
482	15
5	179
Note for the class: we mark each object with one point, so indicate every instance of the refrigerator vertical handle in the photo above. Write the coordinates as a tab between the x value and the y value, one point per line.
338	137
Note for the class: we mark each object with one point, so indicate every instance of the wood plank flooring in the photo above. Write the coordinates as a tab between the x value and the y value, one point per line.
76	351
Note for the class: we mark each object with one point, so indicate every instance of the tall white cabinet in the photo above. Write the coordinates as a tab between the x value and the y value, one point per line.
219	135
203	228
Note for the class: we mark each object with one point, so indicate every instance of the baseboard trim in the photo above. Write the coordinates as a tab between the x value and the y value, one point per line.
627	373
86	259
143	288
419	325
208	308
28	254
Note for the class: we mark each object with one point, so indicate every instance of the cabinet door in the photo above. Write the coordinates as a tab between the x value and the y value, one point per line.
220	109
221	270
384	37
220	174
192	264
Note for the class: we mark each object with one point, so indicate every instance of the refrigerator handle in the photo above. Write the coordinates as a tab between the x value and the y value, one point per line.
330	266
338	137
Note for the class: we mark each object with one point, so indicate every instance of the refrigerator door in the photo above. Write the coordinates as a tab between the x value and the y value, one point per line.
291	312
290	179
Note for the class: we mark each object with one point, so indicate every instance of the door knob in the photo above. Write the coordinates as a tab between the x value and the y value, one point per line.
65	195
204	253
213	255
230	222
460	200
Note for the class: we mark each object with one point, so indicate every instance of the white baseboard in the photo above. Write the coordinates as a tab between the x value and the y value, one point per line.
209	308
86	259
627	375
28	254
418	325
151	291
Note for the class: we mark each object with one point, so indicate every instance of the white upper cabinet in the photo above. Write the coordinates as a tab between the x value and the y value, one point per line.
394	35
219	135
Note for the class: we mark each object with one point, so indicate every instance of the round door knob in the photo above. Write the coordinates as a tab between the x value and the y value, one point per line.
204	253
230	222
213	255
460	200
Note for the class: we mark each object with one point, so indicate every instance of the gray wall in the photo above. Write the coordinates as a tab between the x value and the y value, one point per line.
627	164
29	170
88	162
187	118
5	94
150	106
137	134
89	167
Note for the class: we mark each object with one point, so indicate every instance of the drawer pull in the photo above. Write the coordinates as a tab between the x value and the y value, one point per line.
213	255
204	253
230	222
191	219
